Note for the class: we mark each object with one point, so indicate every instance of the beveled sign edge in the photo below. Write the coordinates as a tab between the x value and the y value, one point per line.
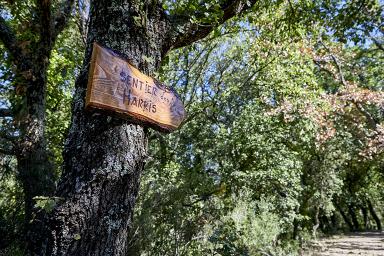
126	115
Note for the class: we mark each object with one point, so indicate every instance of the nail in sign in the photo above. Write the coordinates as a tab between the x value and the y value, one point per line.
115	85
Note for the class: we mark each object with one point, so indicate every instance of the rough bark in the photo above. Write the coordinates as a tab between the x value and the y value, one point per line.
35	170
104	156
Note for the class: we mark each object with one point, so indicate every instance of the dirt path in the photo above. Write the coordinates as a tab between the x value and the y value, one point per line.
362	244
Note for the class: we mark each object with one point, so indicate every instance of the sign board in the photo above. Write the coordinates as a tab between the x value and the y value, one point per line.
115	85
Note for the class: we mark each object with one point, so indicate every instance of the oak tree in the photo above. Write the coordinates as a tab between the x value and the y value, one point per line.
104	156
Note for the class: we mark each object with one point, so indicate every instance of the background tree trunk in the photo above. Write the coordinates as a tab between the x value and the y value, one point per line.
374	215
35	169
355	221
364	212
31	60
334	222
345	218
316	221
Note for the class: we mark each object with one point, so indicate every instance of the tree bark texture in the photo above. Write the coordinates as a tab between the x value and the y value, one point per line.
35	170
104	156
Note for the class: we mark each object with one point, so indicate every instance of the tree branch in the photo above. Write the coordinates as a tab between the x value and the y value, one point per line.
370	119
10	138
8	152
203	197
61	18
338	65
377	43
193	32
8	38
4	112
82	20
44	11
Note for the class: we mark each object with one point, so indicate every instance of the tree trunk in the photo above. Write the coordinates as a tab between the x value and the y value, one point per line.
355	221
374	215
346	219
35	168
317	222
364	212
334	222
295	231
104	156
325	224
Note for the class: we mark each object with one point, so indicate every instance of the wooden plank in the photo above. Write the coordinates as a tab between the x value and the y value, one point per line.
117	86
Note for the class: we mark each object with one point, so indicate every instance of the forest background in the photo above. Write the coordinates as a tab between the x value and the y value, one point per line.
283	140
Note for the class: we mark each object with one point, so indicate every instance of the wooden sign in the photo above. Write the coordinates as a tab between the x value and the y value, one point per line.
115	85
